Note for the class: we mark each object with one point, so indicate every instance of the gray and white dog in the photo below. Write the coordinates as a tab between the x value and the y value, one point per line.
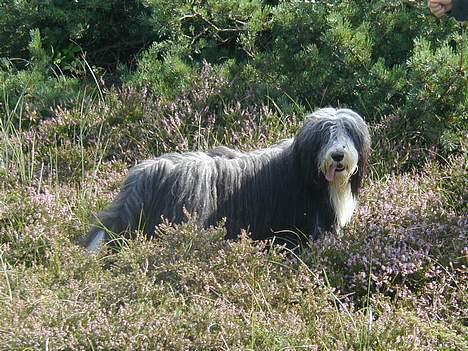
292	190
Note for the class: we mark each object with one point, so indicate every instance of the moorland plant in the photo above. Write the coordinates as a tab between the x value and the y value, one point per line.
89	88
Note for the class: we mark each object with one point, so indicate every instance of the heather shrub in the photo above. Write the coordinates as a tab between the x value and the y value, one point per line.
28	221
130	124
134	124
394	278
408	243
189	289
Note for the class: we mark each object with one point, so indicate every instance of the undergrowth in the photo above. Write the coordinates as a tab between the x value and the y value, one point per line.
395	278
88	89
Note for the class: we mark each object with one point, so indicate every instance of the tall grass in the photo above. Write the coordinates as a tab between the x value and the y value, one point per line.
12	155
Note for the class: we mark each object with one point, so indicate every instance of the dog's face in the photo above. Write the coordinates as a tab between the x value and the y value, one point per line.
334	143
338	160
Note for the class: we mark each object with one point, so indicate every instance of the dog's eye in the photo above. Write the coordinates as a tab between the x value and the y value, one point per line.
352	133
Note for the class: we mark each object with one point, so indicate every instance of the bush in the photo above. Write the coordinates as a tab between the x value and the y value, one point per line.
407	244
380	58
394	280
38	88
107	32
164	71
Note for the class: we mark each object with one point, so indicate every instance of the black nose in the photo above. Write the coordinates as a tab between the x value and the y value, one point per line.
337	156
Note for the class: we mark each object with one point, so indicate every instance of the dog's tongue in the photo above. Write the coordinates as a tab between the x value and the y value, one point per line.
330	176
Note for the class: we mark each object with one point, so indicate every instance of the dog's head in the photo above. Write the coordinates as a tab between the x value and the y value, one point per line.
334	145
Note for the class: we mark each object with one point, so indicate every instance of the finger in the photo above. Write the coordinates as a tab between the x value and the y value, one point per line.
440	2
436	10
434	5
439	13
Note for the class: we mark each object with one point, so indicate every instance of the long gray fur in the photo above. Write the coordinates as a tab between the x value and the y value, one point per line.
279	189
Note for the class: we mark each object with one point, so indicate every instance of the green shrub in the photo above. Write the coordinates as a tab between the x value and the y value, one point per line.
37	88
164	70
107	32
380	58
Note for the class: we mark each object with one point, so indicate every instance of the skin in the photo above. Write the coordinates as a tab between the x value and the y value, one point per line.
439	7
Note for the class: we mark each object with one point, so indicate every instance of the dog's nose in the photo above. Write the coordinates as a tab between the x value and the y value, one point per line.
337	156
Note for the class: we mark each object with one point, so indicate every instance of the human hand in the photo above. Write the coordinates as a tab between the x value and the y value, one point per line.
439	7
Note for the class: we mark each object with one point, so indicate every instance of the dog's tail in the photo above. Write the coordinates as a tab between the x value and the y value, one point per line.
124	214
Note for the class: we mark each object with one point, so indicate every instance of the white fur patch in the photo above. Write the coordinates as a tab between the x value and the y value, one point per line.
95	244
343	202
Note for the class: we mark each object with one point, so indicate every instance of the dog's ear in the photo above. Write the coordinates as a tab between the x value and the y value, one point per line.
307	146
363	144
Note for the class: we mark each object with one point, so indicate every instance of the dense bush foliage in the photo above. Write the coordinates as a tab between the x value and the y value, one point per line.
108	32
380	58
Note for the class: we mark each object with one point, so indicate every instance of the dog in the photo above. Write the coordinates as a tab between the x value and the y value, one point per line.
293	190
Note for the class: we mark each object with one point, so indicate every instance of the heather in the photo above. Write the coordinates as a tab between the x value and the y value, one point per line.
390	279
393	279
87	91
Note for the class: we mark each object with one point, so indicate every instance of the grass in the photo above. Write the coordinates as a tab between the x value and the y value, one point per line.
395	279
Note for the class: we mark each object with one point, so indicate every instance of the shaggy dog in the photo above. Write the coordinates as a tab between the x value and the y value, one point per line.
293	190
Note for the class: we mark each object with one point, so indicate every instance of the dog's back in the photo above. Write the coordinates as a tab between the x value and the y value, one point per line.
175	186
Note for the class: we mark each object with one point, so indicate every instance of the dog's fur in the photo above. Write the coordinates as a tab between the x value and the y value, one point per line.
294	189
